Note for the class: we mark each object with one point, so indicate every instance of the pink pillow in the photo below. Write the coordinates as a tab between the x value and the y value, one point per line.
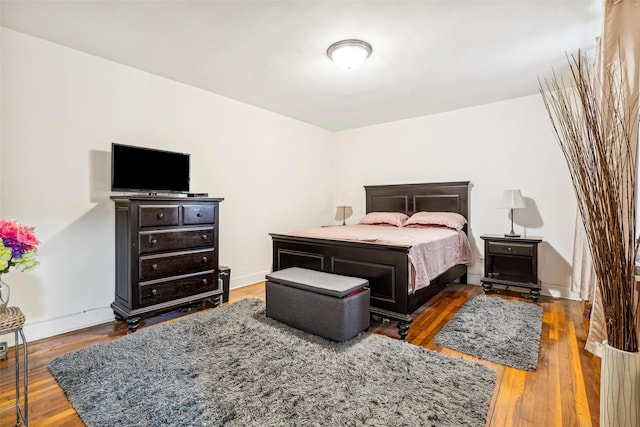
447	219
394	218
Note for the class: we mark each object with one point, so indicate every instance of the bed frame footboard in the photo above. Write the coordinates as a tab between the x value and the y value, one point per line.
385	267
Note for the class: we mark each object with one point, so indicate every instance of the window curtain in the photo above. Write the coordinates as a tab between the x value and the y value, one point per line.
583	282
619	53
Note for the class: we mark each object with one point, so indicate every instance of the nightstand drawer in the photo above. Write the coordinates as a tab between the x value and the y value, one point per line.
510	249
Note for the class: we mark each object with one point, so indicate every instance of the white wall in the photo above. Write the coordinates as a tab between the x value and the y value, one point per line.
1	32
62	109
495	146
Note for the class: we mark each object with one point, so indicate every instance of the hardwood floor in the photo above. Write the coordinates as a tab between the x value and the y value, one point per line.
563	391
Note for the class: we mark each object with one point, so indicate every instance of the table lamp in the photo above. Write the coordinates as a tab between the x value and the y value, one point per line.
512	199
343	202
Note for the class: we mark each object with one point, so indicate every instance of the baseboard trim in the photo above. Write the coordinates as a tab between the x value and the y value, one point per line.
548	289
96	316
559	291
473	279
72	322
251	279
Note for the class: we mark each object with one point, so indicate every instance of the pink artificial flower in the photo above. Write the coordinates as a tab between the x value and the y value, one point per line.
26	235
21	242
8	228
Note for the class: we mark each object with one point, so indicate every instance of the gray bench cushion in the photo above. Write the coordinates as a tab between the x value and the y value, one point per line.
317	281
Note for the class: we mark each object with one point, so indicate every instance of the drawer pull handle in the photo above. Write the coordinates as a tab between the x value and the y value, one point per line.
154	241
204	259
509	248
154	292
154	266
160	215
204	237
199	214
204	281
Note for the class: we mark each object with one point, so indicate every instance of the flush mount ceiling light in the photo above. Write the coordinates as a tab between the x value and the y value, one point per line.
349	54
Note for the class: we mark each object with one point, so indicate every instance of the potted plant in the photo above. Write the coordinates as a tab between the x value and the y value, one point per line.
18	249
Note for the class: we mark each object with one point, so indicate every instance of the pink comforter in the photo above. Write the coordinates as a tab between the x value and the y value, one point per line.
433	250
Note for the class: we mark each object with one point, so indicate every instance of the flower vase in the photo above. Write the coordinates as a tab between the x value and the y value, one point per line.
4	295
619	388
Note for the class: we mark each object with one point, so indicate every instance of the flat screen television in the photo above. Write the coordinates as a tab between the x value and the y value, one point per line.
148	170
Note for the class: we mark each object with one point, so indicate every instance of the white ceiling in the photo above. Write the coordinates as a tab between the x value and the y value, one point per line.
428	56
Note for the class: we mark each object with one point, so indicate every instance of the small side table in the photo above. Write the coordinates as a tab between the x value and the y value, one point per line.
12	320
511	261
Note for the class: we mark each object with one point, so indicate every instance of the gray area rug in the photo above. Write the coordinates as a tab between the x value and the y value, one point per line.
233	366
496	329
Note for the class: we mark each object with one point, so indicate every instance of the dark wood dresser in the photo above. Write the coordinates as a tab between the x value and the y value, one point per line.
166	254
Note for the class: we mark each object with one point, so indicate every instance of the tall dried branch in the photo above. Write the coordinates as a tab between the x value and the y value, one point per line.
593	120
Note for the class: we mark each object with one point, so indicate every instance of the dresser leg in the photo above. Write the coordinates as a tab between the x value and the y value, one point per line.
118	316
486	287
403	329
535	293
133	322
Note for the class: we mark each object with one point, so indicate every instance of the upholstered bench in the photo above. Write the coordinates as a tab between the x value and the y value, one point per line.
329	305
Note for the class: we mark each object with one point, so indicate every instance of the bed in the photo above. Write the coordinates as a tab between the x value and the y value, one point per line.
386	267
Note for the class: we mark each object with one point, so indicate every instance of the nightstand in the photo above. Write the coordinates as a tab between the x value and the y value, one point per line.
511	261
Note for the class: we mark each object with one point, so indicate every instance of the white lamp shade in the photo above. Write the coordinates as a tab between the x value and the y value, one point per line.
343	201
512	199
349	54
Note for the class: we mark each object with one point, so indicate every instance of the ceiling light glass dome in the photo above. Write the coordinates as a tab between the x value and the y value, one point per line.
349	54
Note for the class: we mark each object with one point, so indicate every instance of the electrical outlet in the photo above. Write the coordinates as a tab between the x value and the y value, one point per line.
3	351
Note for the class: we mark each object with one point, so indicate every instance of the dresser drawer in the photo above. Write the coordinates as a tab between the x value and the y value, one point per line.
175	264
510	248
158	216
175	239
158	291
198	214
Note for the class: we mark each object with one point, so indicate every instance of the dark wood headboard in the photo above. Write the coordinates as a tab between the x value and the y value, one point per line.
412	198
